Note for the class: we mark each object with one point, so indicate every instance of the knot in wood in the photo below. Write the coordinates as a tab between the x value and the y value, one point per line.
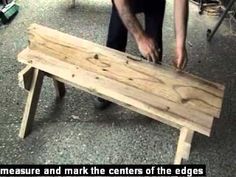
96	56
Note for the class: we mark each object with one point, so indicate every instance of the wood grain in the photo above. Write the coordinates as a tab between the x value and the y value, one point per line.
181	88
125	95
159	92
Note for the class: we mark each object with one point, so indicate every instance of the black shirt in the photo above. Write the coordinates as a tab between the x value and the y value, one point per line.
138	6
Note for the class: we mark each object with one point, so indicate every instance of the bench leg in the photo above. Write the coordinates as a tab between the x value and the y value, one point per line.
184	145
31	103
60	88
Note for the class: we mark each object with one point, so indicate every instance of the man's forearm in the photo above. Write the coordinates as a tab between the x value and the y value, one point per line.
181	20
129	19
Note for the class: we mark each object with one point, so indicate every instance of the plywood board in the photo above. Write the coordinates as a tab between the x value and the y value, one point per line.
128	96
190	92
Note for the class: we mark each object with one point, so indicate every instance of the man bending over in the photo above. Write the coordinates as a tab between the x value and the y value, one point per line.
149	40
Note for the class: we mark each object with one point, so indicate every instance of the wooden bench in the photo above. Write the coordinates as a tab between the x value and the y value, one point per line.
175	98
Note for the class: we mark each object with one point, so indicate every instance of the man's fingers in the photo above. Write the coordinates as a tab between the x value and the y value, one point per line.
148	57
181	60
157	54
184	62
153	57
179	64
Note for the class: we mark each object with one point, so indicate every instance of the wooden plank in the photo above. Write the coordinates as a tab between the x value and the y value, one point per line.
25	77
126	95
190	92
184	145
119	102
31	103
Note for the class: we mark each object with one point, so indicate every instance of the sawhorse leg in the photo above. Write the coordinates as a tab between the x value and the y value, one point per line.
31	80
31	103
184	145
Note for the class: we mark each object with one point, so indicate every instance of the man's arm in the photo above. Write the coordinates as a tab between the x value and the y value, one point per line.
181	20
146	45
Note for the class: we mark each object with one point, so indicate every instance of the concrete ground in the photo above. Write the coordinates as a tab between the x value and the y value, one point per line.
73	132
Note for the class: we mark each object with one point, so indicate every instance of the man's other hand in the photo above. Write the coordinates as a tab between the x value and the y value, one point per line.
148	48
181	58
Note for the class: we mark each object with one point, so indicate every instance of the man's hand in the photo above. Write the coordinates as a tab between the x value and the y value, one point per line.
146	45
148	48
181	58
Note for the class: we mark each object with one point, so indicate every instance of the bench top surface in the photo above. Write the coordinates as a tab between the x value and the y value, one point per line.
175	98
